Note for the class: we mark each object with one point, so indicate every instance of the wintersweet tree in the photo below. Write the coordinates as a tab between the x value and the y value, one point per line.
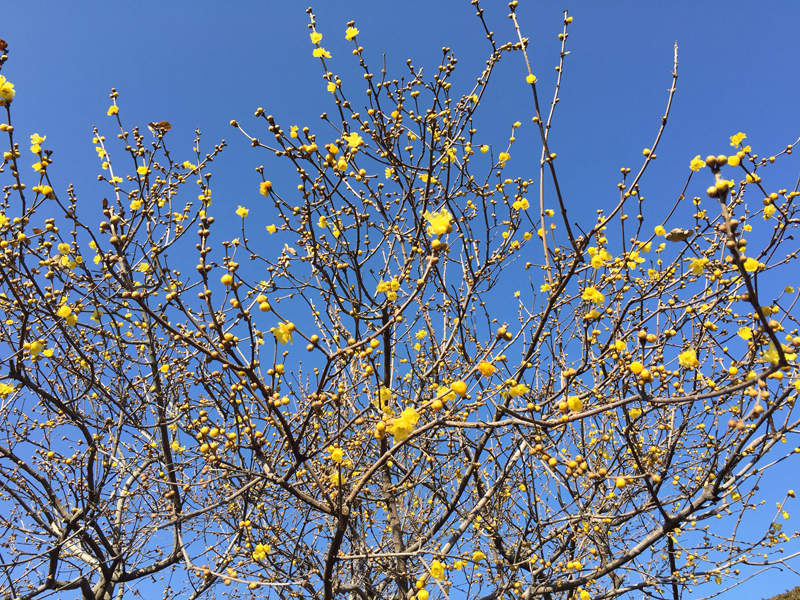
425	375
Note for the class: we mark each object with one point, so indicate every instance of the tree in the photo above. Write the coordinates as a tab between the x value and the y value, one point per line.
606	433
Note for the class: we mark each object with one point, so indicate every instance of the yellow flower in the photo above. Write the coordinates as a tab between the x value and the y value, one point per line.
688	359
271	229
321	53
36	141
337	454
283	332
7	90
751	265
487	369
264	188
242	211
478	556
503	157
697	163
521	204
142	170
353	140
459	387
350	33
484	149
383	400
112	110
331	87
402	426
697	265
737	139
440	222
593	295
531	78
769	211
659	230
64	311
437	570
6	389
745	333
575	404
316	38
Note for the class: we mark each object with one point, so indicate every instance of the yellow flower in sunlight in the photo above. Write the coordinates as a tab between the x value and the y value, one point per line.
316	38
688	359
503	157
486	369
142	170
7	90
6	389
437	570
283	332
751	265
353	140
737	139
592	294
697	265
321	53
350	33
745	333
337	454
440	222
36	141
531	78
383	400
112	110
331	87
659	230
521	204
484	149
575	404
478	556
271	229
264	188
697	163
421	334
242	211
402	426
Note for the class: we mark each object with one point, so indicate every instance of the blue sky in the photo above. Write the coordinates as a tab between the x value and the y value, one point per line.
201	64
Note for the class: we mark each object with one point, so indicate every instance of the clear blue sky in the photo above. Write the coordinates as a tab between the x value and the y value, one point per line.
201	64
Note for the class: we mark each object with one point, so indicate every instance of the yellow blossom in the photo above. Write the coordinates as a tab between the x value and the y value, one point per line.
440	222
751	265
7	90
659	230
321	53
112	110
242	211
350	33
265	187
737	139
6	389
402	426
531	78
271	229
353	140
688	359
142	170
316	38
437	570
593	295
283	332
697	163
486	369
